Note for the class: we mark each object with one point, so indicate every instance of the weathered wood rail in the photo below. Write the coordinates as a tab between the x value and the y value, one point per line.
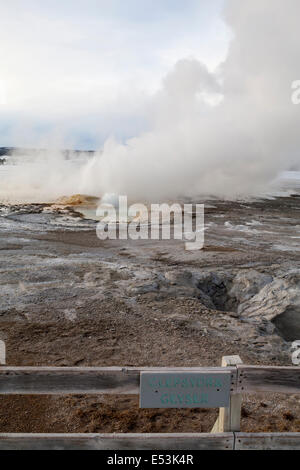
116	380
191	441
195	441
252	379
78	380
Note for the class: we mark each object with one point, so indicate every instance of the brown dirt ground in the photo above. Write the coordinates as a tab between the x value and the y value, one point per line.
89	342
110	332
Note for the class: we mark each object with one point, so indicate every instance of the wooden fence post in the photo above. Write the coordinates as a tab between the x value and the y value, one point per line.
229	419
2	353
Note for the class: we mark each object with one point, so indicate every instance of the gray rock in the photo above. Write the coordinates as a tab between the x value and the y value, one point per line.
145	288
247	284
180	278
187	284
278	302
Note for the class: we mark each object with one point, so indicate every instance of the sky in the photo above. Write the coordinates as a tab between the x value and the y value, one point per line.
181	97
80	71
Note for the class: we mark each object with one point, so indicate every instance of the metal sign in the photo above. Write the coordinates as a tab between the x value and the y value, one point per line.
185	389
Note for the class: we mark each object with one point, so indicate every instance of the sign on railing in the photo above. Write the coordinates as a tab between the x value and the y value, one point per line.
158	388
185	389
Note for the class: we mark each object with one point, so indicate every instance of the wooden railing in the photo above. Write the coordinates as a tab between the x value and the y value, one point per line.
225	435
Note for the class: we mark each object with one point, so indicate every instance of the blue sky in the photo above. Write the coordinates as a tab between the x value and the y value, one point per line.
80	71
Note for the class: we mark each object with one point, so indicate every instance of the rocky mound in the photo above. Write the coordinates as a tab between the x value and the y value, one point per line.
78	200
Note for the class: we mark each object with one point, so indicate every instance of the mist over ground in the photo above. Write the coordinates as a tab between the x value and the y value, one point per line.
227	132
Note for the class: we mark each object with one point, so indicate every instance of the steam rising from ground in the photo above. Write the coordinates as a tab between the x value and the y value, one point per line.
227	133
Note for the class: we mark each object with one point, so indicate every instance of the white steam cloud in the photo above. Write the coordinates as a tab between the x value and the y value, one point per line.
227	133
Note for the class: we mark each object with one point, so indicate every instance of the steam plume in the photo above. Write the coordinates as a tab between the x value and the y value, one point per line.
227	133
